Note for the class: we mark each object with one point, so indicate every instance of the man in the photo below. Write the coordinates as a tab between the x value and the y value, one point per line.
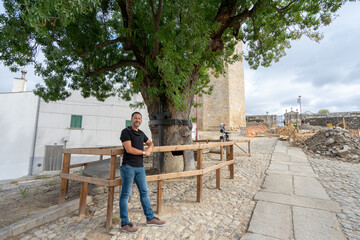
132	169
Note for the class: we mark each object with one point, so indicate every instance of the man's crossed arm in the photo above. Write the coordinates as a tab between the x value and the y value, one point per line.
135	151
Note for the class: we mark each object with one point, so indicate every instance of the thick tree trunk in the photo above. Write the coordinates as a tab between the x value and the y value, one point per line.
172	135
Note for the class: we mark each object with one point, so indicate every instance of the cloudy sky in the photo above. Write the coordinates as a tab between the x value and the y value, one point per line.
325	74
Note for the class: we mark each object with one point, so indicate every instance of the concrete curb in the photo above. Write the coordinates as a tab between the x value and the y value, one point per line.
52	213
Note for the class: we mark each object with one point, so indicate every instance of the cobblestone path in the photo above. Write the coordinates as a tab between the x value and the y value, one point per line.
342	182
223	214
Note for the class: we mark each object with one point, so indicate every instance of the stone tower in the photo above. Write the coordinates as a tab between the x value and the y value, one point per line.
226	104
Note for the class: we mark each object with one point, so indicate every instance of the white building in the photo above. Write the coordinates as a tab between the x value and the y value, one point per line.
34	132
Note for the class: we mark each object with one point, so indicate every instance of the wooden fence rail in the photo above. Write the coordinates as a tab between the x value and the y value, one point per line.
113	151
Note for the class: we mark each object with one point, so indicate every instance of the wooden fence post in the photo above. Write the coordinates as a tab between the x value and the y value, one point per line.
221	153
64	182
199	177
232	166
82	202
249	148
111	193
230	156
159	196
218	178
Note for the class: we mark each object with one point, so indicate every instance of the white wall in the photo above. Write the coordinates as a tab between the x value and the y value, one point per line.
17	122
102	123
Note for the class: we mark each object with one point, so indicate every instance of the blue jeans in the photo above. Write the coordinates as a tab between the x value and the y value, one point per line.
130	174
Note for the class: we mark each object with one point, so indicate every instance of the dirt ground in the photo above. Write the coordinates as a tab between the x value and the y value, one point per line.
21	199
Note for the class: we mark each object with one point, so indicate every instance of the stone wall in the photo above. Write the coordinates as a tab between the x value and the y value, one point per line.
214	108
227	102
268	120
352	119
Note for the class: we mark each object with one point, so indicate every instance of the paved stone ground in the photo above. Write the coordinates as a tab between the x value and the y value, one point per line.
292	203
342	182
223	214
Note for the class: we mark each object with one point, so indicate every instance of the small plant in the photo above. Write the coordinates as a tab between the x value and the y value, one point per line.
115	219
43	177
24	191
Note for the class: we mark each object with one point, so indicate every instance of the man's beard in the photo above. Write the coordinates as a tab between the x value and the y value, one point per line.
137	124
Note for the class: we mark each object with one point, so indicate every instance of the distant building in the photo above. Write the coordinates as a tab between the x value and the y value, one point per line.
33	132
292	117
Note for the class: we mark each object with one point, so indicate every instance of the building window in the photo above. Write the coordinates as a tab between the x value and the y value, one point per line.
76	121
127	123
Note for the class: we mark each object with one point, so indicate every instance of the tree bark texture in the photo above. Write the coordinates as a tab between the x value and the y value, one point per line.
173	135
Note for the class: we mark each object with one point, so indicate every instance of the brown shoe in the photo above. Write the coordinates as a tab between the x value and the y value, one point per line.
131	228
156	222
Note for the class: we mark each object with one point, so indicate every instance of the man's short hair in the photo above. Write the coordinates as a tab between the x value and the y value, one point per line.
135	113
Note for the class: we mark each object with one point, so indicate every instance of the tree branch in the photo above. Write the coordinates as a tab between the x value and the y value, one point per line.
288	6
101	45
130	13
124	14
193	76
157	18
152	8
226	17
226	10
128	19
109	42
124	63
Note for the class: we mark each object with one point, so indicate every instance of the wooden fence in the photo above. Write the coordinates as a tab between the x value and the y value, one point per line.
355	132
113	151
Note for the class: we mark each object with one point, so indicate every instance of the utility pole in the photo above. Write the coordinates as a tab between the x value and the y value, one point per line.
197	133
299	101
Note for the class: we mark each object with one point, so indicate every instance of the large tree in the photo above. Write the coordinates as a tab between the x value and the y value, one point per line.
163	49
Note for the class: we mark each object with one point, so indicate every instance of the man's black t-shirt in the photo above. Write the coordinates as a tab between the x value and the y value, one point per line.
137	138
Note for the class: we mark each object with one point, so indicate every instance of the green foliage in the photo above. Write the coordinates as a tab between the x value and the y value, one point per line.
137	105
24	191
323	111
193	119
115	47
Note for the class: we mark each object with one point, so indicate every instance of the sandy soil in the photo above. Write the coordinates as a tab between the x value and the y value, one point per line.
21	199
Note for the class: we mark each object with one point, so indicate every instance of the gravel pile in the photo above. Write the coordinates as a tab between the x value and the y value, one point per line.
310	127
335	142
